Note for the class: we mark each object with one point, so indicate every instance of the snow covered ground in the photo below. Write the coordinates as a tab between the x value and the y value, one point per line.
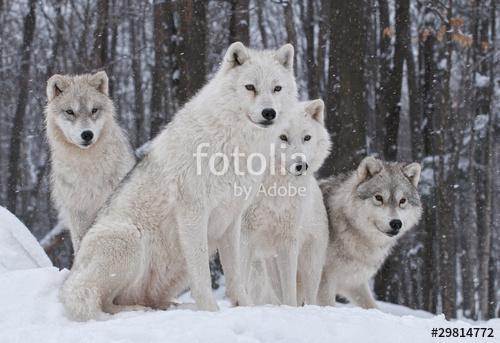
31	312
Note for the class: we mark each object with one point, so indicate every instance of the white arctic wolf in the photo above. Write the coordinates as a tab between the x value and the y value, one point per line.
178	204
369	209
90	153
289	230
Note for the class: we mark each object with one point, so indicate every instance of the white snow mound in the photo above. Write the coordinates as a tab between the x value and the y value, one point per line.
31	312
18	248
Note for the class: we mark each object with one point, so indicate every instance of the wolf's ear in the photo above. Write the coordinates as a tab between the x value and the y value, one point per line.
236	54
284	55
56	85
100	81
369	167
412	172
316	109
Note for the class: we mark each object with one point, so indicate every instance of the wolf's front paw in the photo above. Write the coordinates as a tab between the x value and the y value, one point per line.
208	305
242	300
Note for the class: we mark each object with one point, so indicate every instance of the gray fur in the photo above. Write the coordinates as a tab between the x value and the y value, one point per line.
359	224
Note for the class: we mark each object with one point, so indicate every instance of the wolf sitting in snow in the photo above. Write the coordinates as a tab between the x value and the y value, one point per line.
290	232
90	153
369	209
160	227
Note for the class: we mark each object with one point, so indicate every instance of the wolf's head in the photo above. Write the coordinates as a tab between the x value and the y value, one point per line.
79	106
261	82
386	195
304	143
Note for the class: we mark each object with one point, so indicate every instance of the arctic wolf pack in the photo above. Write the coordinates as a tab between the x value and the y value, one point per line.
90	153
285	236
155	236
369	209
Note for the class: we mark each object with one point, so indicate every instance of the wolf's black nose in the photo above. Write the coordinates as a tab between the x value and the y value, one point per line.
269	113
298	167
87	135
395	224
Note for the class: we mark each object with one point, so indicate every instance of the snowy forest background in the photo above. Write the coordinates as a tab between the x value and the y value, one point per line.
403	79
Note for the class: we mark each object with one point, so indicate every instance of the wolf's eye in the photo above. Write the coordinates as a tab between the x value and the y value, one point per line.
70	112
402	201
277	88
94	110
250	88
307	138
379	198
284	138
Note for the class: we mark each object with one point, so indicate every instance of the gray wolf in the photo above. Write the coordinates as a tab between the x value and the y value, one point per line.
369	210
289	232
90	153
174	210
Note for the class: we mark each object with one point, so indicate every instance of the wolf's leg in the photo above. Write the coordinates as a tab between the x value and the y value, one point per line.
229	246
287	259
274	281
362	296
193	237
76	236
103	265
327	290
311	261
75	241
78	228
246	262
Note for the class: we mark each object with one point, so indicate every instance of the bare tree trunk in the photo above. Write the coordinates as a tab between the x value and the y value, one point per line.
491	168
58	40
415	100
385	33
323	37
137	77
346	119
101	35
391	107
111	60
22	102
291	33
312	65
191	48
430	251
260	22
445	198
486	264
161	11
239	24
483	199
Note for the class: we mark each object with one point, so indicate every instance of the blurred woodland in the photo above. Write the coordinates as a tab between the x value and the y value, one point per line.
411	80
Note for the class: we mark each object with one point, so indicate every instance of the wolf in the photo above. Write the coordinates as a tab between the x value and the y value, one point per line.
369	209
177	206
290	231
90	153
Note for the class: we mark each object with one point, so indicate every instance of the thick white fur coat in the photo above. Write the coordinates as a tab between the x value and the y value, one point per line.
82	178
155	237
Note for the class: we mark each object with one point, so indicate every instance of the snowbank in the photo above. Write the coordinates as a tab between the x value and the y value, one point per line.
30	312
18	248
